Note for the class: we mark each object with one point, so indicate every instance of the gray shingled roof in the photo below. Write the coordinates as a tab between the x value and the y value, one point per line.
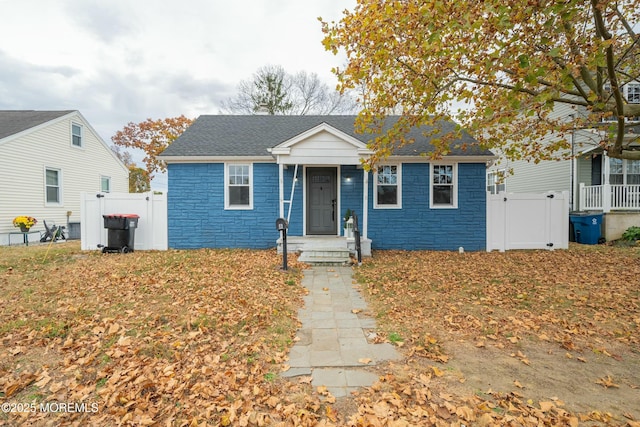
251	135
16	121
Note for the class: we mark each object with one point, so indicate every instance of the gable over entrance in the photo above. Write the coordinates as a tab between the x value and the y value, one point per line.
321	145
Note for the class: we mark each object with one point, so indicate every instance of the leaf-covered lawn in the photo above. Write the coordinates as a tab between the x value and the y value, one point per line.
199	337
563	320
175	338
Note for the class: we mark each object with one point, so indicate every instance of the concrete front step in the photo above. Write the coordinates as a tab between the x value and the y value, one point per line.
301	244
325	256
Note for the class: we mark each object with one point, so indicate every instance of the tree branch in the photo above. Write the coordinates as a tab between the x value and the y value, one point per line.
604	34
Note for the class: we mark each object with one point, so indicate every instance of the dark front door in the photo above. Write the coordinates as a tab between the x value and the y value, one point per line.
321	201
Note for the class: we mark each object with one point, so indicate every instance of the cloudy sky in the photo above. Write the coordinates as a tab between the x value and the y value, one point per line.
121	61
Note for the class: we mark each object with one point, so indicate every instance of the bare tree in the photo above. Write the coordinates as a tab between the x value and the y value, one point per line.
274	91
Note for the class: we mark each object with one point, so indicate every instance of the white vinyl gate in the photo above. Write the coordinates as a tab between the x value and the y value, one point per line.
527	221
152	225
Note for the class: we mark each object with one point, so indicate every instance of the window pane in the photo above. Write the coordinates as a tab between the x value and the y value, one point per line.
239	174
52	177
633	93
443	174
53	195
633	172
239	196
388	175
442	195
106	184
76	135
615	165
387	194
633	166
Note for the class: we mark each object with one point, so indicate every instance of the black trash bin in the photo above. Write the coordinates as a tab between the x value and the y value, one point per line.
121	232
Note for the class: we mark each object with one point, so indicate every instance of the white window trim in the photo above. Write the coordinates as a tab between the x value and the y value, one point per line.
454	204
628	91
108	178
494	174
227	206
399	185
625	170
60	201
81	135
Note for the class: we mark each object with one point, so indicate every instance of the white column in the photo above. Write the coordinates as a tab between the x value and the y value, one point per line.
606	187
281	188
365	204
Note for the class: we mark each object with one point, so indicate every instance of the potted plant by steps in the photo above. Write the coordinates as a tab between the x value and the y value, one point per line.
348	224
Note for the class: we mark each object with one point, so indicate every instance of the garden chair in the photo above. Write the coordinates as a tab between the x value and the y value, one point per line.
52	233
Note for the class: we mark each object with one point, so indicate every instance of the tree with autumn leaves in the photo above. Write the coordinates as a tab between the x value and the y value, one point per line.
508	63
152	136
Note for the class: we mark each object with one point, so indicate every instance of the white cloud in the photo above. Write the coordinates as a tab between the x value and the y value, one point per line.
152	57
125	61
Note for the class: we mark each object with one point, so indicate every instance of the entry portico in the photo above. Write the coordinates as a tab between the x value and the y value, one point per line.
318	155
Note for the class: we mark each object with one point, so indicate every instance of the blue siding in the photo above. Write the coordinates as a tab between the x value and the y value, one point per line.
196	214
197	218
351	191
295	222
416	226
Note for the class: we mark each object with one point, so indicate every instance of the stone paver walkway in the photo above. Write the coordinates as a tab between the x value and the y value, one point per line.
332	344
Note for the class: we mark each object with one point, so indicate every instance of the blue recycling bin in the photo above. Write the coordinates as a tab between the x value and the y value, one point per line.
586	227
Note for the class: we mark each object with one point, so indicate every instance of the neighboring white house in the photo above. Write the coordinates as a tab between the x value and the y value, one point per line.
48	159
595	182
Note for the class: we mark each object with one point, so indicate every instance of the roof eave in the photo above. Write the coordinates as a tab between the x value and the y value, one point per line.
481	158
210	159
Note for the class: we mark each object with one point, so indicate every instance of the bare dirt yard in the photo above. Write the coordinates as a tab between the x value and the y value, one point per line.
198	338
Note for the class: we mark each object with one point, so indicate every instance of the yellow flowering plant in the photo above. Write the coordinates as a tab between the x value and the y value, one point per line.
24	221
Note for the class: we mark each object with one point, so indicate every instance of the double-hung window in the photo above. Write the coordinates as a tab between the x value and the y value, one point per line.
616	171
53	182
388	191
238	192
495	182
76	135
105	184
624	172
444	183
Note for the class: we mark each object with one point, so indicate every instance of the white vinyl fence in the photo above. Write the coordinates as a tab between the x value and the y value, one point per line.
152	225
527	221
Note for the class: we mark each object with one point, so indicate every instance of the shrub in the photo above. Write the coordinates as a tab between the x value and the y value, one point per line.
632	233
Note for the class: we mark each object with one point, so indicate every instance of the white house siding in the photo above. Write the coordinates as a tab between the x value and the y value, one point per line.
545	176
326	146
551	175
22	175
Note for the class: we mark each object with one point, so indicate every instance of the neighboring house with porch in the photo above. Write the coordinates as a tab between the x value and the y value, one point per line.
48	159
596	182
231	177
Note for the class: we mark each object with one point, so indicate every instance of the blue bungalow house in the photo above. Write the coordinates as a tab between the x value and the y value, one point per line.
230	178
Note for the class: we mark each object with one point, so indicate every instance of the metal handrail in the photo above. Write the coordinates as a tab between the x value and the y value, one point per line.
356	236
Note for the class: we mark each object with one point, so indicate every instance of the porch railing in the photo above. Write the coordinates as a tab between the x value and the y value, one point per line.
609	197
